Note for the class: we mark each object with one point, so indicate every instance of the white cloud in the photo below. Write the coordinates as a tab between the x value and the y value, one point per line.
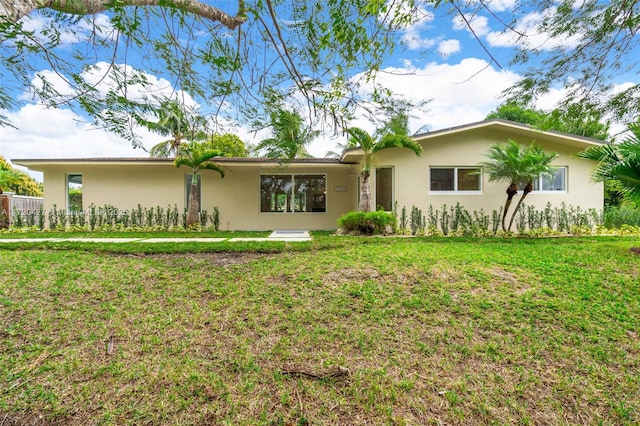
525	33
449	47
477	23
44	27
499	5
421	19
104	77
43	132
460	93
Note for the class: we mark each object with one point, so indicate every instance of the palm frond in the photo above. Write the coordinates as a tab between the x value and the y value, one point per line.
213	166
360	138
391	140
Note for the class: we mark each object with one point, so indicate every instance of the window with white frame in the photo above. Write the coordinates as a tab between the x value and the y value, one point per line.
298	193
550	183
455	179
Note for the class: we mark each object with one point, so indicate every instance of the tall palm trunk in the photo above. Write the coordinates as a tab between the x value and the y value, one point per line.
527	189
512	190
193	210
365	192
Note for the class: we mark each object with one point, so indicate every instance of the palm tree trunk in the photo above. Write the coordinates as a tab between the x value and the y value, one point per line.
527	189
193	210
512	190
365	192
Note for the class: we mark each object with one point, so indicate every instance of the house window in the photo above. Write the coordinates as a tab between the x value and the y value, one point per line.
555	182
74	192
384	189
293	193
187	188
455	179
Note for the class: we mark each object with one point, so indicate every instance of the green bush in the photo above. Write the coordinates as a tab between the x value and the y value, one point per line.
368	223
616	217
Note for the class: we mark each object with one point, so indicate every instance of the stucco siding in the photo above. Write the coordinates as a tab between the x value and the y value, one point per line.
125	183
237	195
411	174
238	198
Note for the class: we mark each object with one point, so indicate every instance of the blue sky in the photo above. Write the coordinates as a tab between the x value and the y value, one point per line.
440	60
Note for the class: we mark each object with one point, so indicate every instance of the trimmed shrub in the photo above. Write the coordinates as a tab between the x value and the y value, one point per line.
368	223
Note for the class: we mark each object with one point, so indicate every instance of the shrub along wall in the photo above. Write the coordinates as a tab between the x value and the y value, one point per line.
110	217
456	220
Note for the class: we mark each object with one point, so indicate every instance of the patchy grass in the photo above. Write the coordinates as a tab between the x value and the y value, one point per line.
429	332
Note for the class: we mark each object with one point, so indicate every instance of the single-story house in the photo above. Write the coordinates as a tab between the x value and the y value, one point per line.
312	193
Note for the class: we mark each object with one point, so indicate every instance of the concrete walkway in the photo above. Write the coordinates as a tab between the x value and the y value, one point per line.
283	235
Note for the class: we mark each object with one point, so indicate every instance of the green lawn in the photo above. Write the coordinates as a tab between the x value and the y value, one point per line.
336	331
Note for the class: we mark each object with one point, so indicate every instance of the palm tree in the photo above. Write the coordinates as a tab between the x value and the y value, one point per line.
515	164
362	139
198	157
291	136
176	123
619	162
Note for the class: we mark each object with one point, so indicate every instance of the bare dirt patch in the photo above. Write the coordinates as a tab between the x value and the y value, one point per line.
200	259
351	274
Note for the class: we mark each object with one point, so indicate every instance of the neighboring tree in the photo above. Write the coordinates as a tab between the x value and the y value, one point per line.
619	162
577	119
230	144
513	111
15	181
337	154
516	165
198	157
179	124
370	145
291	136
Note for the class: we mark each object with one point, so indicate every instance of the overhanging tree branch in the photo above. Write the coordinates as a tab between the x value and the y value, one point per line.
12	11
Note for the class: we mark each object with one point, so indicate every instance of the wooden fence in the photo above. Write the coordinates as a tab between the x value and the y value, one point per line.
10	203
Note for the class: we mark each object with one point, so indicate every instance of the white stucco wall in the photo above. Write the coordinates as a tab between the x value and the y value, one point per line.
125	184
411	174
237	196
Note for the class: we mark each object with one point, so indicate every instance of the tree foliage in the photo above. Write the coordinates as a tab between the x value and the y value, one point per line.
605	40
317	53
291	136
619	162
578	119
313	51
228	144
20	183
179	123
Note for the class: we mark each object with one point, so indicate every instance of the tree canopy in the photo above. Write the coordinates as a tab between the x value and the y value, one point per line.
290	136
228	144
578	119
18	182
323	55
619	162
